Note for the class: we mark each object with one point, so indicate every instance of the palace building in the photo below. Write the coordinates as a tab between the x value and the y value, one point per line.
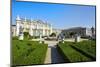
34	27
82	31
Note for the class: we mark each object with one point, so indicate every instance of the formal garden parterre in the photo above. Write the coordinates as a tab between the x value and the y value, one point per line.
28	52
78	51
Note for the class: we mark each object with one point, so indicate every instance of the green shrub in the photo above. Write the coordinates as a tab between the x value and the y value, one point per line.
28	52
71	54
35	37
88	47
15	38
30	37
26	35
38	56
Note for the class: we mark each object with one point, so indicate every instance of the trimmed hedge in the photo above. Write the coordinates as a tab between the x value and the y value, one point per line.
82	51
89	46
28	52
86	47
71	54
37	57
15	38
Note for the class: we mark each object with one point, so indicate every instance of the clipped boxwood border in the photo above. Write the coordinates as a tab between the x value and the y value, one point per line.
30	51
83	51
71	59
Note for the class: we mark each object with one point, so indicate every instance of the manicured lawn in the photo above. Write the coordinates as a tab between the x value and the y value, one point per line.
28	52
78	52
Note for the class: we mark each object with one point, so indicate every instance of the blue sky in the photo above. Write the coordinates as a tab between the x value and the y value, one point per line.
59	15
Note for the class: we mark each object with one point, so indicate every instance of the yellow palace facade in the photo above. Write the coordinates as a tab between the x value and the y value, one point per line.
34	27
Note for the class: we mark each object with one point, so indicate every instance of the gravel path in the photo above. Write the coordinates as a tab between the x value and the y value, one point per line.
52	55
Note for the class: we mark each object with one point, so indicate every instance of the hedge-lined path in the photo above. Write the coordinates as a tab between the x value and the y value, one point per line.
52	55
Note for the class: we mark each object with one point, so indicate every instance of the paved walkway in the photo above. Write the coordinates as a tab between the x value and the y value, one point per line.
72	39
52	55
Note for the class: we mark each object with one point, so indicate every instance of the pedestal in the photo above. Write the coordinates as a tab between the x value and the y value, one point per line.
77	39
40	39
21	37
63	40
